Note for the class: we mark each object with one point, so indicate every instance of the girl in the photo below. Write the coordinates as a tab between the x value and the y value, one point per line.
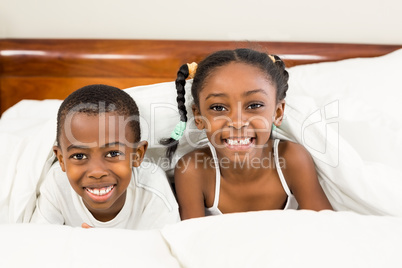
238	101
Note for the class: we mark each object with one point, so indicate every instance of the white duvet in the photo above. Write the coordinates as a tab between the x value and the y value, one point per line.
256	239
346	113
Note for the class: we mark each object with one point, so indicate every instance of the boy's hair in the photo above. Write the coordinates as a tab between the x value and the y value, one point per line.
97	99
271	65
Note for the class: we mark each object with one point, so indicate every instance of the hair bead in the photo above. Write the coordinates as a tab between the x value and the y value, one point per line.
192	68
178	131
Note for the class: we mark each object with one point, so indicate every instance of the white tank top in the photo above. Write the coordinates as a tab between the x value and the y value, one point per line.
291	202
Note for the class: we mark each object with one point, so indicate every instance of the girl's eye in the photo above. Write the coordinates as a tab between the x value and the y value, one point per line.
114	154
218	108
254	106
79	156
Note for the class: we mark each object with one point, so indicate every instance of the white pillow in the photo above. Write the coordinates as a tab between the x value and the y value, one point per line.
158	118
364	94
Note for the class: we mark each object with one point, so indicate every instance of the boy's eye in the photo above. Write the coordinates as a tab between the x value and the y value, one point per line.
114	154
79	156
254	106
218	108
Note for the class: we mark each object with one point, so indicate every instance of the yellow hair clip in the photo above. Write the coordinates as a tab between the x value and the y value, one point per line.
272	58
192	68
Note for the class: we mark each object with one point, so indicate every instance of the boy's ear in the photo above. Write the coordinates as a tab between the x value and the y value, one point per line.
59	155
279	112
199	122
139	154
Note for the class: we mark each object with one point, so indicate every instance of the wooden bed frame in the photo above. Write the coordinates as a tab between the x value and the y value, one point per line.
53	68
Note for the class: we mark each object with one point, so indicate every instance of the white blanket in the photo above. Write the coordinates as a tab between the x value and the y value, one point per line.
30	245
287	239
354	105
255	239
27	134
349	182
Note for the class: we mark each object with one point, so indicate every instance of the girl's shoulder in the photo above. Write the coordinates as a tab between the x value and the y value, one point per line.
293	152
300	173
296	163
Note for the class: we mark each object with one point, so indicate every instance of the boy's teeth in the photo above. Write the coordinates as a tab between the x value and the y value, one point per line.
101	191
244	141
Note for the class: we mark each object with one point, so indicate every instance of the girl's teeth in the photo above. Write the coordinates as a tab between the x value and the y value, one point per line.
101	191
245	141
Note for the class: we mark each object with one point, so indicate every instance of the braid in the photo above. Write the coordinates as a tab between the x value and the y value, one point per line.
180	82
282	79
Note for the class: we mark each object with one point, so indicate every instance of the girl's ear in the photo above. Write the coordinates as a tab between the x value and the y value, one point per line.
199	122
279	112
59	155
139	154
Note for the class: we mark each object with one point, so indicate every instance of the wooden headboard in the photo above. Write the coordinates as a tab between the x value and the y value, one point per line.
53	68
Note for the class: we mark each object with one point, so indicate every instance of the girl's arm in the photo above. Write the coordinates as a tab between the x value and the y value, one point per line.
301	176
189	188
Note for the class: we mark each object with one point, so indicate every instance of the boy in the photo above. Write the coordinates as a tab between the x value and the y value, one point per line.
99	180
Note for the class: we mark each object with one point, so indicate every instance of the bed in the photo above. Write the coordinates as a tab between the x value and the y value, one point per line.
342	105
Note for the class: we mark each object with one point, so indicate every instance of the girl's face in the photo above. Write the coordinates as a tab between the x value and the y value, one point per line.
237	108
98	152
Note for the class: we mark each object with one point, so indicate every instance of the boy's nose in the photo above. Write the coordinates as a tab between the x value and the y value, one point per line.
97	169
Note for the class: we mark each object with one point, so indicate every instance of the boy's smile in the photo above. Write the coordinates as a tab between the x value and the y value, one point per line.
96	153
100	193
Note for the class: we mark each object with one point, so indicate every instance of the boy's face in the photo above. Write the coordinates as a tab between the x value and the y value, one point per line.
98	152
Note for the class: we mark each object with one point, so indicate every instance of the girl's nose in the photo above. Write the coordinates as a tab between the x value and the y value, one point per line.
239	124
237	119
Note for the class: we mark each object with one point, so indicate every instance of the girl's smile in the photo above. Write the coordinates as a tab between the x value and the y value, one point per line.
239	143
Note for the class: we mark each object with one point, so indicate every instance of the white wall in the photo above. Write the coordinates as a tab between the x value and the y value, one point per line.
348	21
